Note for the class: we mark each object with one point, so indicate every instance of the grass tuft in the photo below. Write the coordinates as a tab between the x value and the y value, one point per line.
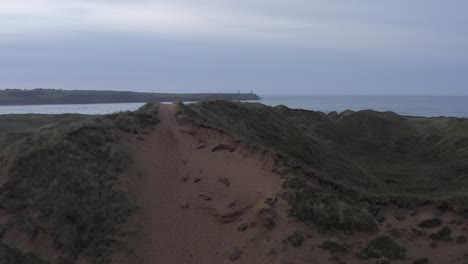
443	234
328	212
63	182
335	247
353	158
15	256
383	246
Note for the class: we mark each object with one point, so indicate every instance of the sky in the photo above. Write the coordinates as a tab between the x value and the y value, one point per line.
326	47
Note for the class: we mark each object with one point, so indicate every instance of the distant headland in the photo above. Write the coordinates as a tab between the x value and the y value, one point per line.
55	96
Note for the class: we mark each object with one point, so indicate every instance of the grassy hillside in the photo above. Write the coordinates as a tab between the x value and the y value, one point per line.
345	160
61	181
15	127
13	255
51	96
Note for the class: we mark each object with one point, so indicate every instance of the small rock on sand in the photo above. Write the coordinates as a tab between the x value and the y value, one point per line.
225	181
399	216
268	216
430	223
205	197
184	205
242	226
271	252
235	254
185	178
223	147
197	179
296	239
271	201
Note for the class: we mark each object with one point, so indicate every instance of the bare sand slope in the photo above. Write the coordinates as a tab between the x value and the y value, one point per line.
200	205
206	198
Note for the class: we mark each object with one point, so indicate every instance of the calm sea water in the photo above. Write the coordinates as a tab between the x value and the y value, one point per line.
406	105
86	109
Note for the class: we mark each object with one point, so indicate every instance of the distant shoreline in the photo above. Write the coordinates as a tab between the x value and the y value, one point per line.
17	97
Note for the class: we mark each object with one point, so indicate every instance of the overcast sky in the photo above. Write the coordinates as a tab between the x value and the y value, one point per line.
269	46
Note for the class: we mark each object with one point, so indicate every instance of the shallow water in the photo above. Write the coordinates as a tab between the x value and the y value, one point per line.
86	109
406	105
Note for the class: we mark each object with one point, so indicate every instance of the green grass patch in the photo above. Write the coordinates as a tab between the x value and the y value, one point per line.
443	234
421	261
380	155
328	212
15	256
430	223
335	247
62	181
383	246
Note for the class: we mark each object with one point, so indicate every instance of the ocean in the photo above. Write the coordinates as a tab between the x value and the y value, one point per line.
429	106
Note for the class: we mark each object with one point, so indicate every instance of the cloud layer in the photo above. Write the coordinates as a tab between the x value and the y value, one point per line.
294	32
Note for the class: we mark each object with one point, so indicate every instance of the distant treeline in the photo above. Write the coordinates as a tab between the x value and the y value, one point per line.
53	96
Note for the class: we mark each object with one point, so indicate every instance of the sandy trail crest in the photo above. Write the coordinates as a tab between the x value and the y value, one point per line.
199	205
205	198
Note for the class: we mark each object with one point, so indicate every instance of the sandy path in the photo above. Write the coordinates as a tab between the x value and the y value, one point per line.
193	199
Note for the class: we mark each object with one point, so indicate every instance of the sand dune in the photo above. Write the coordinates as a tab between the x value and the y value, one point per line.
205	197
200	205
208	198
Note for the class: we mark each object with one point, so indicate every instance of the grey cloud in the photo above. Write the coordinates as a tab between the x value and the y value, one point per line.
271	46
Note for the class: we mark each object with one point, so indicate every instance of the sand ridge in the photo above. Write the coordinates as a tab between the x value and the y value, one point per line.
200	205
205	197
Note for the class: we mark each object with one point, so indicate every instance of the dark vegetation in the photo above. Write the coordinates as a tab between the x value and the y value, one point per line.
62	181
383	246
349	164
14	256
461	239
296	239
421	261
443	234
329	211
335	247
52	96
430	223
15	127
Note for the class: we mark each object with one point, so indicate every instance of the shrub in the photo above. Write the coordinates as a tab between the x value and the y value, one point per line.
15	256
460	239
63	182
334	247
443	234
430	223
421	261
383	246
328	212
296	239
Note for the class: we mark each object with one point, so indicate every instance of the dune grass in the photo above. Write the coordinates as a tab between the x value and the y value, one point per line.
380	153
360	156
14	256
383	246
62	182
